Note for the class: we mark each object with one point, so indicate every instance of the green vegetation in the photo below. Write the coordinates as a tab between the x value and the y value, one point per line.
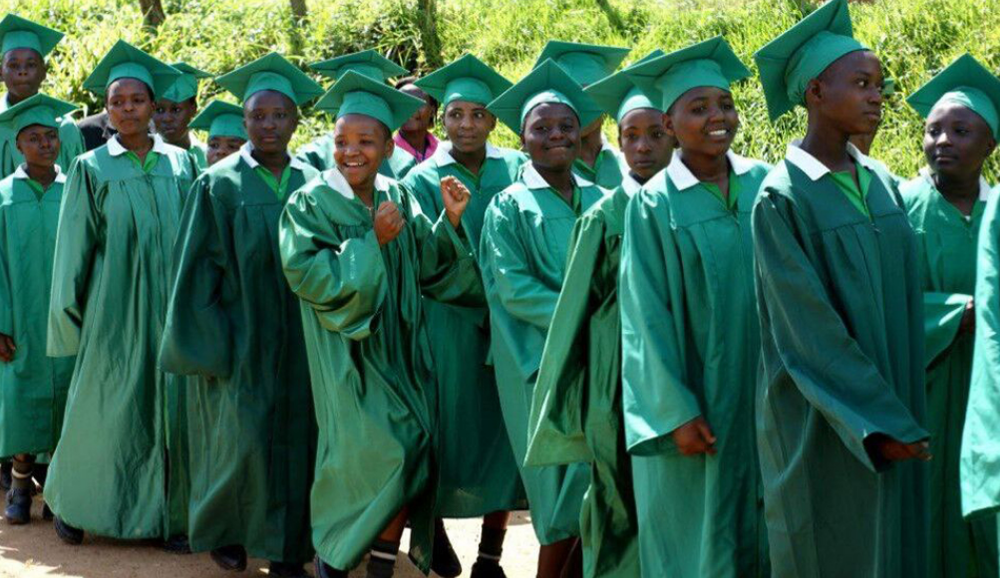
914	38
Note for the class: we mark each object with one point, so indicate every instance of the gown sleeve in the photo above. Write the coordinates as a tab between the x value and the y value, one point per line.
6	295
942	318
70	143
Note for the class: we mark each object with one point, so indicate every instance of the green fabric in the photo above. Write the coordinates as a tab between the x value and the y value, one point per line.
356	93
185	86
199	153
220	118
576	408
147	164
967	83
850	188
467	79
127	61
478	474
70	144
270	72
367	62
734	191
523	250
370	360
606	171
17	32
547	83
618	94
278	187
234	325
946	249
585	63
36	188
32	387
319	155
125	426
841	318
39	109
691	347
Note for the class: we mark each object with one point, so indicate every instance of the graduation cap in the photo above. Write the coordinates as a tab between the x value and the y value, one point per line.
356	93
618	94
965	82
547	84
585	63
468	79
127	61
802	53
17	32
186	85
38	109
367	62
221	119
271	72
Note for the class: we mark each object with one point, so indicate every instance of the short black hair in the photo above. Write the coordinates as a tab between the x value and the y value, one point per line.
406	81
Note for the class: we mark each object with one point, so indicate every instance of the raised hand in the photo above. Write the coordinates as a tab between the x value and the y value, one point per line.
389	222
456	198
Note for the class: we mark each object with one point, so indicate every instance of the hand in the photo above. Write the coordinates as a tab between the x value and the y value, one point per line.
7	348
694	437
389	222
968	322
893	450
456	198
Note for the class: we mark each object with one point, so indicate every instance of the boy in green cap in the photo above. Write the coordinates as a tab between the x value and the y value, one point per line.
241	338
224	123
525	241
176	107
359	253
841	385
415	137
25	45
121	466
478	473
945	204
32	386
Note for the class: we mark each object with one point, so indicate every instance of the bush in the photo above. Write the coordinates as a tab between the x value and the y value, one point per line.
914	38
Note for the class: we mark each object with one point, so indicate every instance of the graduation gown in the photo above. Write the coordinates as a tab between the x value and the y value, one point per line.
690	347
32	386
235	325
121	466
842	335
70	144
523	250
576	408
319	155
946	246
478	474
607	171
369	357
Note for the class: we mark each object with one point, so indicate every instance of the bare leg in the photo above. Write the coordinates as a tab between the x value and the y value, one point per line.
553	558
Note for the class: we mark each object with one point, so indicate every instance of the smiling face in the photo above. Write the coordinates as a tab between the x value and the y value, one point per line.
270	119
360	144
645	142
23	72
129	103
957	141
220	147
551	136
39	144
848	93
172	118
468	125
704	121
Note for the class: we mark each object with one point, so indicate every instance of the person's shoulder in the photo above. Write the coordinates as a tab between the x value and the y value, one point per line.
7	190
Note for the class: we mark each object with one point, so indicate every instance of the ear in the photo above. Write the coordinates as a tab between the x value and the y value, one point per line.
390	146
668	126
991	146
814	92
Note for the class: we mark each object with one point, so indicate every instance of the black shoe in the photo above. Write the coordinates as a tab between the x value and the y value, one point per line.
68	534
233	558
487	569
6	467
444	561
324	570
176	545
47	514
286	570
18	510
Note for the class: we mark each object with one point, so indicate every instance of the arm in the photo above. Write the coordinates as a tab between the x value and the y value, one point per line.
942	320
70	144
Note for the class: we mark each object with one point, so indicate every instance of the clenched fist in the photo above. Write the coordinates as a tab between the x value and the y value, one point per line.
389	222
456	198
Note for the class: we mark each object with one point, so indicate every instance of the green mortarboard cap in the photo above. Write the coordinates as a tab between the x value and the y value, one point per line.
367	62
221	119
271	72
708	63
802	53
17	32
618	94
39	109
356	93
127	61
585	63
468	79
964	82
548	83
186	85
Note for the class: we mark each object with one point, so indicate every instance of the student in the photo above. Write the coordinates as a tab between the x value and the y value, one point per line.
121	466
224	123
841	385
358	252
32	386
525	241
599	162
25	45
576	407
415	137
175	109
478	474
945	205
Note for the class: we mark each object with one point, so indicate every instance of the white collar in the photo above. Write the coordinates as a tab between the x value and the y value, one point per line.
336	181
984	187
683	178
247	148
442	156
195	141
533	180
814	169
116	149
629	183
21	173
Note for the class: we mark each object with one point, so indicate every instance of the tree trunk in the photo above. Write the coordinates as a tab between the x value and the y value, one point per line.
613	17
300	14
428	33
152	13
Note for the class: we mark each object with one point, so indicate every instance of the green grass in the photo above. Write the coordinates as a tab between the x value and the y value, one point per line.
914	38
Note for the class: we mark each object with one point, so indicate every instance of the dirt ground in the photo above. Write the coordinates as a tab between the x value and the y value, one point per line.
34	551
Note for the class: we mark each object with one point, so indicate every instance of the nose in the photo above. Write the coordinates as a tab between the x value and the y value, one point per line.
643	146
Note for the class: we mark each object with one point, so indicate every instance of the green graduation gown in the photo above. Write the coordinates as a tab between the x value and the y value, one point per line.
319	155
841	316
690	347
369	357
199	151
234	323
523	250
576	408
70	144
606	171
32	386
946	244
121	466
478	474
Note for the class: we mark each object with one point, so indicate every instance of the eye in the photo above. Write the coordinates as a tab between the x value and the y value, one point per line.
699	109
862	83
479	114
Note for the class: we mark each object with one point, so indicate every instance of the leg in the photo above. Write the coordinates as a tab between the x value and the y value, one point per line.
382	562
19	497
491	546
553	558
444	561
574	566
232	557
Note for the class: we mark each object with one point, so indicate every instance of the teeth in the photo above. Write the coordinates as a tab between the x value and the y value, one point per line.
720	132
